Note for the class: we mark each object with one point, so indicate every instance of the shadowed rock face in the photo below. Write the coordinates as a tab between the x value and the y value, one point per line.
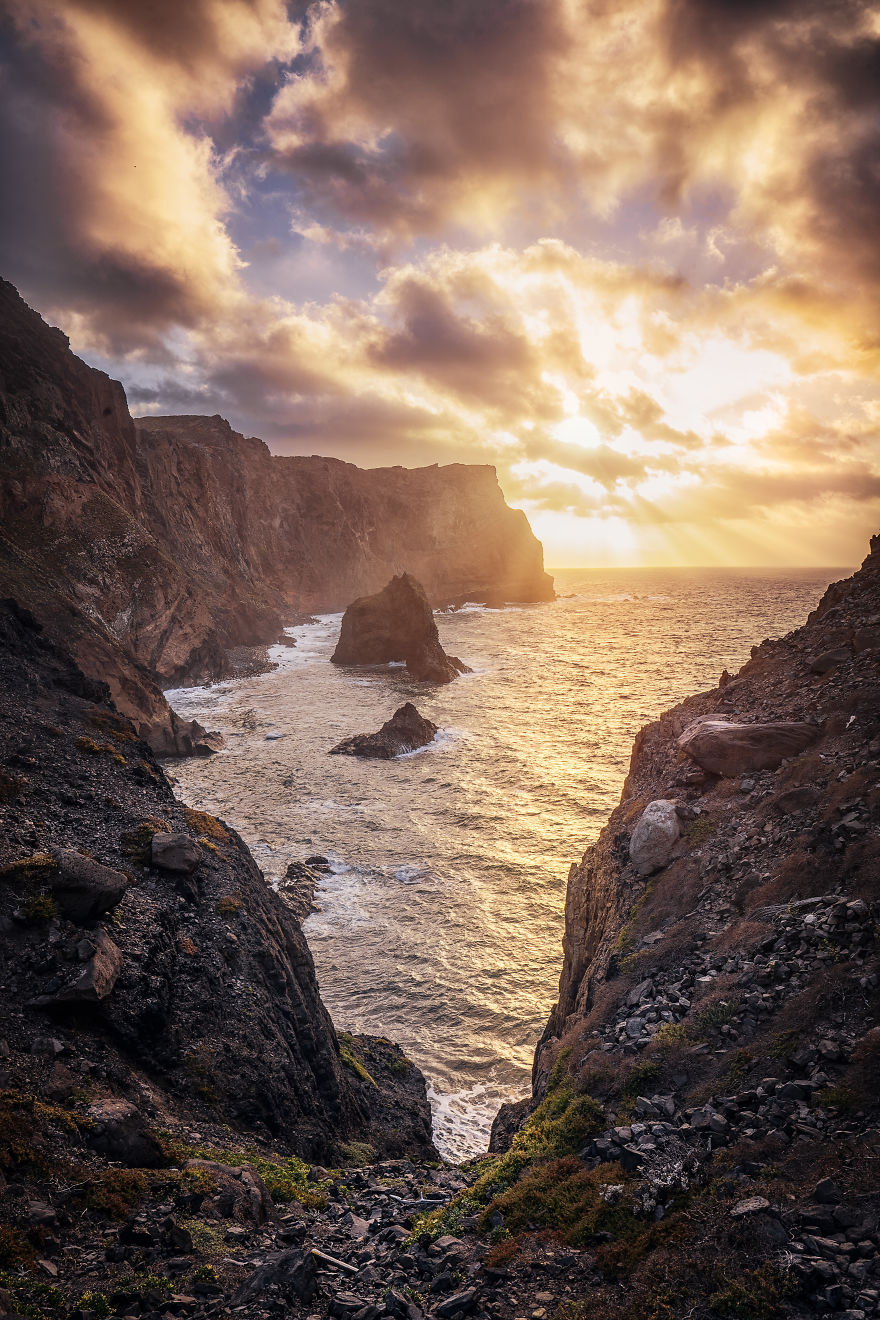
396	624
153	549
130	925
404	732
795	824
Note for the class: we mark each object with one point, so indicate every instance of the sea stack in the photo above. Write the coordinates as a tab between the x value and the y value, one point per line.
396	624
406	731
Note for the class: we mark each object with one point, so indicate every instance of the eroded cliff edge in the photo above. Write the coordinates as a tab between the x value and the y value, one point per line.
756	838
154	548
141	937
706	1095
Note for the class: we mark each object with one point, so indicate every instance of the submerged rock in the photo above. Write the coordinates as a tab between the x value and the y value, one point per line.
298	887
728	749
396	623
404	732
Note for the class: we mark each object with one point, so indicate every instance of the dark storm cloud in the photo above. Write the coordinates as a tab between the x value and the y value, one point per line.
484	358
112	205
459	93
829	52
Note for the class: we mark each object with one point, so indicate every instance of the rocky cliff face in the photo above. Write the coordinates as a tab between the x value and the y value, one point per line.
747	806
720	998
320	532
156	547
143	931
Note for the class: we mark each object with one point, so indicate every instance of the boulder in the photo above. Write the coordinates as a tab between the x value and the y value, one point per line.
207	743
655	836
404	732
828	660
84	889
119	1132
752	1205
728	749
290	1273
175	852
240	1193
396	624
98	977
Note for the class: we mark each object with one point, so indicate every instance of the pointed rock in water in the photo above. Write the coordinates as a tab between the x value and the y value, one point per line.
404	732
397	623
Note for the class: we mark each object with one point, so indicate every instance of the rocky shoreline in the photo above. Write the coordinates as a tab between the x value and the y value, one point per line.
184	1133
160	550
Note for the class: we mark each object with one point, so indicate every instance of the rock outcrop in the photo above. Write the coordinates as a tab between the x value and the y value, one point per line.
714	1050
141	936
155	550
655	836
396	624
724	747
406	731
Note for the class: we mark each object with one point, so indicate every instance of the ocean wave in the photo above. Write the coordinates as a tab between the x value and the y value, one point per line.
444	740
462	1119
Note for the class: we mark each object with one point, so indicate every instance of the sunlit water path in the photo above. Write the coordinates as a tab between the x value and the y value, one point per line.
440	925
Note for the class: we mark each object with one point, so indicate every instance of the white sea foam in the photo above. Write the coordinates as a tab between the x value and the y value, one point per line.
462	1120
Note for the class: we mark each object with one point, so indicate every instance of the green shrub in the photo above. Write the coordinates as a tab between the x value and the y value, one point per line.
136	844
561	1125
95	1302
358	1153
350	1059
644	1077
285	1176
228	905
39	907
699	830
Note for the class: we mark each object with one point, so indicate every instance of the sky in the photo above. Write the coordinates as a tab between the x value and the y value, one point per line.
627	252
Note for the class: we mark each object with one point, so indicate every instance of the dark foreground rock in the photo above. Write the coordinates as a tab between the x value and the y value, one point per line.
705	1113
406	731
393	625
140	935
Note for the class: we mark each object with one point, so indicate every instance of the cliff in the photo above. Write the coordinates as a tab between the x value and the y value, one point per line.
320	532
168	1073
147	929
715	1050
155	548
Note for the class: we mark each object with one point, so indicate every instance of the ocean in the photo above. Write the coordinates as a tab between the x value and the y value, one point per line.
441	919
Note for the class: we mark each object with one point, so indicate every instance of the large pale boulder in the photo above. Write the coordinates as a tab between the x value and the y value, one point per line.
397	623
728	749
654	837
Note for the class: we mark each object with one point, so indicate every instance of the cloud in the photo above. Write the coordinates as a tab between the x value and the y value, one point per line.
412	112
627	251
120	208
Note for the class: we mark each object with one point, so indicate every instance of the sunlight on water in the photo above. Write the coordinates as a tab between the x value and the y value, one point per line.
440	923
